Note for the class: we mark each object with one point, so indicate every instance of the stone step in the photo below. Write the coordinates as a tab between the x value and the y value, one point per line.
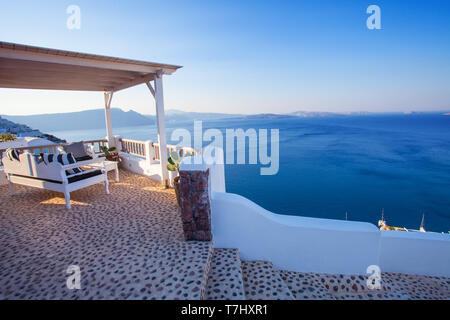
263	282
225	276
174	271
207	270
304	285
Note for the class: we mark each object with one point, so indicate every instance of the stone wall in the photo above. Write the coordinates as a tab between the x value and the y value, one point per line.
195	205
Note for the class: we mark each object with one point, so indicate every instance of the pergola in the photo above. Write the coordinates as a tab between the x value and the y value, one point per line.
29	67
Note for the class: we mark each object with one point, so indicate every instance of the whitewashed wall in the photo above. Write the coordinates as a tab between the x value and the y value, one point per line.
415	253
291	242
141	166
319	245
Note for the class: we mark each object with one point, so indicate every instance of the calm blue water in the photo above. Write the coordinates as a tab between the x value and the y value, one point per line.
358	164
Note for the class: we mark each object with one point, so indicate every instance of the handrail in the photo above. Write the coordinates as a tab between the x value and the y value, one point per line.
137	148
170	148
133	147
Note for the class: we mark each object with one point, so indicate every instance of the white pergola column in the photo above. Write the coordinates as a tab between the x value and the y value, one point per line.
109	132
161	125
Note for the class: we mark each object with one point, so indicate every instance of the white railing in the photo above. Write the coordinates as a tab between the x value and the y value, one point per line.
134	147
170	148
53	148
143	157
142	149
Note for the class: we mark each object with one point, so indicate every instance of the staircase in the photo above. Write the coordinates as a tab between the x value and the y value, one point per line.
230	278
263	282
225	276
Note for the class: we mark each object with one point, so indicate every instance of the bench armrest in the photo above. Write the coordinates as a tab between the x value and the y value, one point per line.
83	163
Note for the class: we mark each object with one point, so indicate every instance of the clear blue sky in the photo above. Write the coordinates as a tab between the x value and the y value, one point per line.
249	56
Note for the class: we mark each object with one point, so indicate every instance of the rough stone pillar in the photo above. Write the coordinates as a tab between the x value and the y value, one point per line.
195	205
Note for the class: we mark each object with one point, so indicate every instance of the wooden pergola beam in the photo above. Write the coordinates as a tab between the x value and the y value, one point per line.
22	52
16	65
62	86
134	82
150	87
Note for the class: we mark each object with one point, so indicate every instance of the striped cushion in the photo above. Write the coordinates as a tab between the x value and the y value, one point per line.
12	154
67	158
47	157
63	158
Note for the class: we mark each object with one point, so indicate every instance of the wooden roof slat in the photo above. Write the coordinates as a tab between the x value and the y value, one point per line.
14	64
20	47
31	67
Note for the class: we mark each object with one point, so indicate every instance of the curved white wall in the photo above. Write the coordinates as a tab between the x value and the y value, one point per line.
323	245
415	253
290	242
317	245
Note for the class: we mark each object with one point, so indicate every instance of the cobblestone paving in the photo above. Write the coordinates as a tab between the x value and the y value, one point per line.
128	245
263	282
304	286
225	276
349	287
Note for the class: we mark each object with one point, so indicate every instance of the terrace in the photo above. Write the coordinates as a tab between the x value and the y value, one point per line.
131	244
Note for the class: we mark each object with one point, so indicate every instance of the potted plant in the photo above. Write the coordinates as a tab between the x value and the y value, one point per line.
174	165
110	153
5	137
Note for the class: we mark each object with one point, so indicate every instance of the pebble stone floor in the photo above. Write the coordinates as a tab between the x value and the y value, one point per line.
129	245
225	276
394	286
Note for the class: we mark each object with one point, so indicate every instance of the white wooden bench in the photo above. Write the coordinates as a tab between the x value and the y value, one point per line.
30	172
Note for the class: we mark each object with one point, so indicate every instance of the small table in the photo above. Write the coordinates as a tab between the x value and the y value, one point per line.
109	165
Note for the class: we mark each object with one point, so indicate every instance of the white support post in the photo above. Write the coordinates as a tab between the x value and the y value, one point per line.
109	132
149	153
160	121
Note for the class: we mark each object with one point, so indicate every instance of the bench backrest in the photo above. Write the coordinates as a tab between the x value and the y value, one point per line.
29	165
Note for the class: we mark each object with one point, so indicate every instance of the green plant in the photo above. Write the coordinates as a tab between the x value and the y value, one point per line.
4	137
175	160
107	151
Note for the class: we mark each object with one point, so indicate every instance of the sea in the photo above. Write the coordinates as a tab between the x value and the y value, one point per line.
341	167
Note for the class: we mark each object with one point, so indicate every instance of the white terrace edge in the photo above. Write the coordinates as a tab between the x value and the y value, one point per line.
316	245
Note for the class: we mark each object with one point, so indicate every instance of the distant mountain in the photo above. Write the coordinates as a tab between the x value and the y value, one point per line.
95	119
267	116
90	119
21	130
305	114
173	115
